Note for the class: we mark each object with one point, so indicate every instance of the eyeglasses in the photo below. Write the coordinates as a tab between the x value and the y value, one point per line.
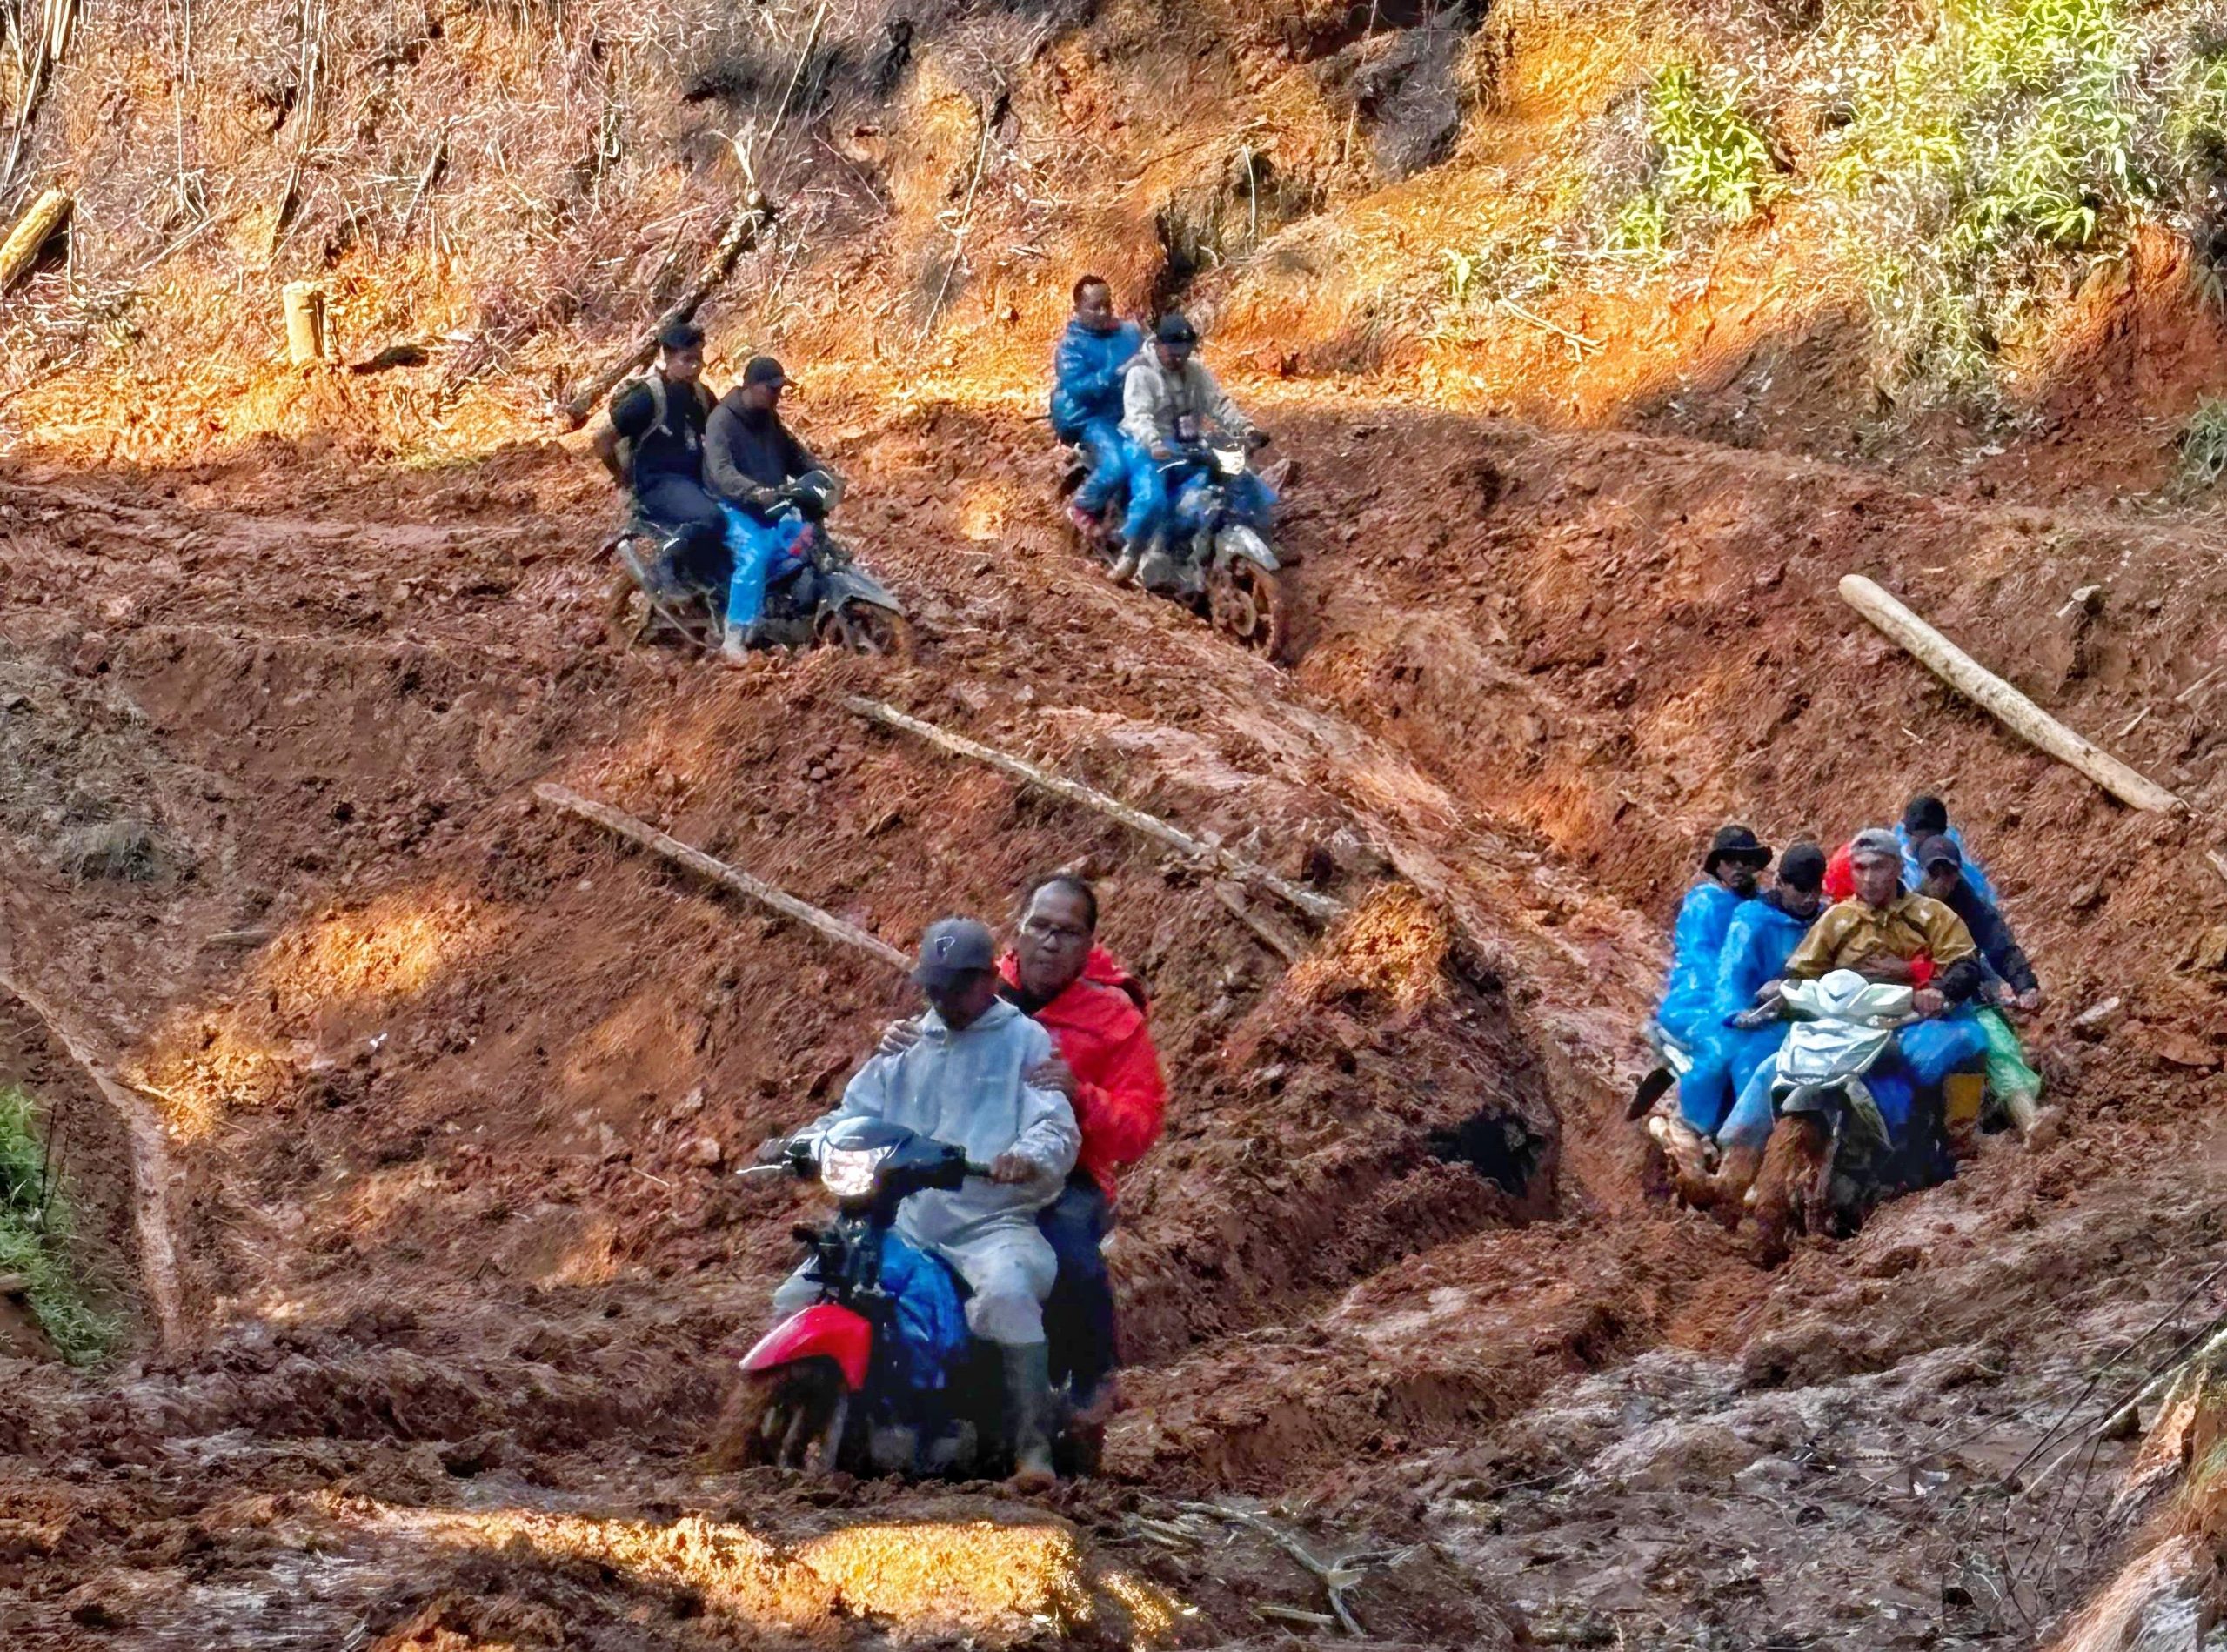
1042	929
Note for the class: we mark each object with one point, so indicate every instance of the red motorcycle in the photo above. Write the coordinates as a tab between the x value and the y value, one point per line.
837	1385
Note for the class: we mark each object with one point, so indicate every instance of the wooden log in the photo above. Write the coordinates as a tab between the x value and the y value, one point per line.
640	832
304	302
2009	707
751	219
1196	849
19	253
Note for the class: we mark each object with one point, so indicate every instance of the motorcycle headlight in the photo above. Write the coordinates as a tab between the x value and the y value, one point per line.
848	1172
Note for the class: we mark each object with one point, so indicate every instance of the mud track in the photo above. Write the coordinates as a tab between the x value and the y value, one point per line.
448	1084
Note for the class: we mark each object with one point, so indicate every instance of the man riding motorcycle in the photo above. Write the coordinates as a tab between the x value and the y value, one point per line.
969	1080
1168	401
1883	934
749	457
1087	370
653	445
1106	1067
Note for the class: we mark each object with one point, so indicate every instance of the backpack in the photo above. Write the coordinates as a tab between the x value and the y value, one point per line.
658	404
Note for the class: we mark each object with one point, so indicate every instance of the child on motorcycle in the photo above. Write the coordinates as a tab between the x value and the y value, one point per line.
968	1081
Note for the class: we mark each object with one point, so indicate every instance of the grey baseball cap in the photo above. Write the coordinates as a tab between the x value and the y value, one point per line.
951	948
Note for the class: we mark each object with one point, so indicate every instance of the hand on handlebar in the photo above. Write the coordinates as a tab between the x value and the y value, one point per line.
1255	440
1928	1001
1010	1167
774	1150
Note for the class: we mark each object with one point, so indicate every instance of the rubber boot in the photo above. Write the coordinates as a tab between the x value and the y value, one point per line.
1125	566
1733	1181
1028	1411
734	647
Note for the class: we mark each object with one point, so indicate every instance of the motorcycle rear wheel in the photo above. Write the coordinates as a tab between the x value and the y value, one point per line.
779	1417
861	628
1247	603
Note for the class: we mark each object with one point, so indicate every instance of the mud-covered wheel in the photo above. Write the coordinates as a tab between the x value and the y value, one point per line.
778	1417
1796	1170
625	611
1245	602
862	628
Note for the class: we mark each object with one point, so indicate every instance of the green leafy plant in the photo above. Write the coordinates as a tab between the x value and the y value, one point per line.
2203	443
1709	154
35	1230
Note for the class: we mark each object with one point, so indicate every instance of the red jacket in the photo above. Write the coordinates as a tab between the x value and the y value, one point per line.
1099	1024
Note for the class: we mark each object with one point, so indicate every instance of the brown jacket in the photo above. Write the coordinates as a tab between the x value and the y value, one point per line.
1907	926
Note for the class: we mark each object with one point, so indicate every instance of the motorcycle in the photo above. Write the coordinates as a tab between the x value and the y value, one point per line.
1831	1157
1226	572
835	1385
817	594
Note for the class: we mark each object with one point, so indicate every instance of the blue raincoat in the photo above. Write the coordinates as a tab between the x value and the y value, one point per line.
1756	947
1697	943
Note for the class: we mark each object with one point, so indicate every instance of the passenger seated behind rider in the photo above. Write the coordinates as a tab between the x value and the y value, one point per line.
1926	817
653	445
969	1080
1763	935
2010	1079
748	455
1105	1065
1087	369
1168	401
1735	856
1883	934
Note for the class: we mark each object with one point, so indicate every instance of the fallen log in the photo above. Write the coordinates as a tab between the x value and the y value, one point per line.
2009	707
640	832
19	253
751	219
1198	850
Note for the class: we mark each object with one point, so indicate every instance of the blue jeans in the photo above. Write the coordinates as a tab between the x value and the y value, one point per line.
757	545
1078	1313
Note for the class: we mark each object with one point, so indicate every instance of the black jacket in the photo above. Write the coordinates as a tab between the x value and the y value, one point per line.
1991	935
673	446
745	449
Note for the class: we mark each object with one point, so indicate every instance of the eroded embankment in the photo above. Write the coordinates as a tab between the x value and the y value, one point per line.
453	1103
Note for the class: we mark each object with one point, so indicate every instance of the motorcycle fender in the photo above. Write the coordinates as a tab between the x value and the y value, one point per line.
1237	540
824	1328
853	584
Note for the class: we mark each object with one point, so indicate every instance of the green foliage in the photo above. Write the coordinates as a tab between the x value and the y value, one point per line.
1705	164
35	1228
1986	168
1708	154
2204	443
1501	267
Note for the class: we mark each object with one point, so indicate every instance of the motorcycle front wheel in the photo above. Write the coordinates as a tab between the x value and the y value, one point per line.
782	1417
862	628
1246	603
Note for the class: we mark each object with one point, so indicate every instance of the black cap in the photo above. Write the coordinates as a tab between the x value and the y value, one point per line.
764	370
1940	852
951	949
1925	816
1174	329
1802	867
1736	842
